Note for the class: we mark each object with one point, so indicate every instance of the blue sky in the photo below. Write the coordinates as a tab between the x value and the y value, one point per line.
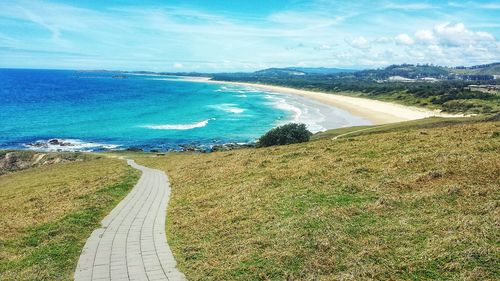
245	35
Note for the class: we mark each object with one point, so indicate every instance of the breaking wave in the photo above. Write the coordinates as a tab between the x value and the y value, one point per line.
228	107
179	126
300	112
68	145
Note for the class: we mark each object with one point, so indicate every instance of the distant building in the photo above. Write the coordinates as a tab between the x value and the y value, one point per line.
429	79
400	79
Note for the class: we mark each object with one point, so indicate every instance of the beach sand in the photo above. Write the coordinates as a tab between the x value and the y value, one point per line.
378	112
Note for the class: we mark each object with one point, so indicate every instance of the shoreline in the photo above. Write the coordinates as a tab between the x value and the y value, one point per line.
378	112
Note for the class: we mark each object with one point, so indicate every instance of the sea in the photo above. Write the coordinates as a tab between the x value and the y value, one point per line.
66	110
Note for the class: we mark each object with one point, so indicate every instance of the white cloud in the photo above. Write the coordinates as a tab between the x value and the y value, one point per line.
490	6
324	47
424	35
404	39
409	6
453	44
359	42
173	37
436	49
471	4
458	35
382	40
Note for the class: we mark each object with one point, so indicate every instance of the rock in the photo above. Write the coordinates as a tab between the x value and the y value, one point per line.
134	149
9	162
230	146
37	158
189	147
38	144
54	142
11	157
59	142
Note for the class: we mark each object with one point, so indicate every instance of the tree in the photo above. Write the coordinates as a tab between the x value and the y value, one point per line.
286	134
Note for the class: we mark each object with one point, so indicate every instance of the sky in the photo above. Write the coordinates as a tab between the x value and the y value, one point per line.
244	35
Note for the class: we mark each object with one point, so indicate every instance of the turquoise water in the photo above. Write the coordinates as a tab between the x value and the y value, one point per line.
97	110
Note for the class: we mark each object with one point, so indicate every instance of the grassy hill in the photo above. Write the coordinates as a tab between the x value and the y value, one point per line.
301	71
418	201
486	69
49	211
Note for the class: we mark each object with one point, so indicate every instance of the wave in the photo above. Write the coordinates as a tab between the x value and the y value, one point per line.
281	103
179	126
228	107
238	89
301	112
68	145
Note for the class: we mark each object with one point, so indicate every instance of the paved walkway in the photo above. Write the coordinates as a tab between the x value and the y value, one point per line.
131	244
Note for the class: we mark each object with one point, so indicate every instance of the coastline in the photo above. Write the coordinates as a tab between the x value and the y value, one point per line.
378	112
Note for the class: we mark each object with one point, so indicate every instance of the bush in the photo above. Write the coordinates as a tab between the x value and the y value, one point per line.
286	134
471	106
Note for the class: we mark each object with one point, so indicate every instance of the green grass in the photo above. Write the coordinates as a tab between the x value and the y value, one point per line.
426	123
401	97
48	213
418	201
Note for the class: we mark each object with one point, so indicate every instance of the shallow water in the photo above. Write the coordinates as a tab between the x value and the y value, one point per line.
94	111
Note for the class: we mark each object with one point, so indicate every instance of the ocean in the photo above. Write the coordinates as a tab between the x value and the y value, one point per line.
97	110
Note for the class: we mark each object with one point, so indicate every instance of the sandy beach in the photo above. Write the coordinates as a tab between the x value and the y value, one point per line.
378	112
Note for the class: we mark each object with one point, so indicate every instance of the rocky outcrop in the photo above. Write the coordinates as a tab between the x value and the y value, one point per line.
46	144
230	146
11	161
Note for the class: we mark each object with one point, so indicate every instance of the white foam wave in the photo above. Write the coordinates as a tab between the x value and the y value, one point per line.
222	89
68	145
228	107
301	113
238	89
179	126
281	103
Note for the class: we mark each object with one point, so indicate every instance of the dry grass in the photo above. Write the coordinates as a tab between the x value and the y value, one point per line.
413	204
49	211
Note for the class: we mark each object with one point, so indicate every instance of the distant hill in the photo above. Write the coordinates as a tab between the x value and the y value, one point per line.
411	71
484	69
405	70
302	71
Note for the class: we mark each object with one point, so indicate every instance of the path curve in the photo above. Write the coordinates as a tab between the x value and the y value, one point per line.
361	130
131	244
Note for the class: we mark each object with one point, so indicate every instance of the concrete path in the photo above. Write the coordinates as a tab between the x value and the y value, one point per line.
131	244
361	130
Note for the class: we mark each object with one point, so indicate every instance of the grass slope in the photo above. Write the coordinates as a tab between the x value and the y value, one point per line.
426	123
412	204
48	213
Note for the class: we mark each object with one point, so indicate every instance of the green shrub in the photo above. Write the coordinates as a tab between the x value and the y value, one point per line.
286	134
471	106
